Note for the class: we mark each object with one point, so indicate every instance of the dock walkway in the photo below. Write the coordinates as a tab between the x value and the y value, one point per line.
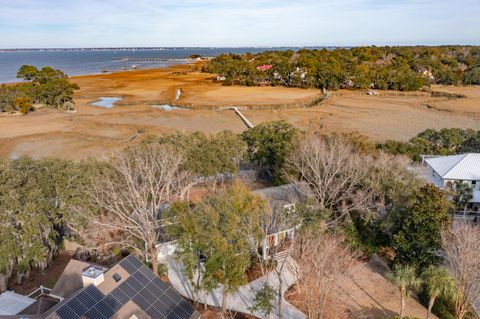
240	114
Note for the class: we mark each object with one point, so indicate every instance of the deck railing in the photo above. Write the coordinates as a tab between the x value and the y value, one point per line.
43	291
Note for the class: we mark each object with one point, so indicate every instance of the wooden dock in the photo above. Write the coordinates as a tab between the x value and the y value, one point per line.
237	110
244	119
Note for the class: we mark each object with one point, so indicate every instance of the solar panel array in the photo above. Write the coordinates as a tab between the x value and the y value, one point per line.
152	295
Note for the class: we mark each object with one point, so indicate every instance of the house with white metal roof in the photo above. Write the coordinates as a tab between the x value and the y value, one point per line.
445	170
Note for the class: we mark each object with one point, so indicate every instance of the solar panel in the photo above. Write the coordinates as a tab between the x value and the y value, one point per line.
154	289
65	312
135	284
149	296
120	296
78	307
130	268
104	309
186	307
127	290
86	300
141	278
161	307
135	261
113	303
93	292
160	284
141	301
168	301
154	313
94	314
173	315
147	273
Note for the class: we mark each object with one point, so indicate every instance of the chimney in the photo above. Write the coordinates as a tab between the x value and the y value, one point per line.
92	275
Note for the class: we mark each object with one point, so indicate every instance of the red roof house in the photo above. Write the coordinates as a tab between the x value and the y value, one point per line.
264	67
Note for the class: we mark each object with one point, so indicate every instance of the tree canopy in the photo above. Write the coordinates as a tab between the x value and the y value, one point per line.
35	204
268	146
206	155
47	86
396	68
446	141
220	229
419	239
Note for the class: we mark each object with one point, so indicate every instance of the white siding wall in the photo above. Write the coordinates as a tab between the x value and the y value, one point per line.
436	179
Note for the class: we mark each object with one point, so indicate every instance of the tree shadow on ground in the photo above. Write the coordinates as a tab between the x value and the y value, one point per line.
372	313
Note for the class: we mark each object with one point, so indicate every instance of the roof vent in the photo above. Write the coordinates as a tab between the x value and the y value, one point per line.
116	277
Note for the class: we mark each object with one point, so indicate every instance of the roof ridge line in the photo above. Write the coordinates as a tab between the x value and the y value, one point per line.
465	156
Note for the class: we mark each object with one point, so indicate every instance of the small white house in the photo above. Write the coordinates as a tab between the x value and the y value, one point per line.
445	170
282	202
282	227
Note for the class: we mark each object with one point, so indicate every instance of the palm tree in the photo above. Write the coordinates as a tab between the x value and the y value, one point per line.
438	282
462	194
405	278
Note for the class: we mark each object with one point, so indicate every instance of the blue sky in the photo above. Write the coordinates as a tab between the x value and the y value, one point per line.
107	23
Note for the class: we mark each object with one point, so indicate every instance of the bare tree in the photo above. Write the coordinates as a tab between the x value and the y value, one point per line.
321	260
130	197
334	172
461	245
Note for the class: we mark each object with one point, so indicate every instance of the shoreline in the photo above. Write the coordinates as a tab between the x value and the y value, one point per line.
175	63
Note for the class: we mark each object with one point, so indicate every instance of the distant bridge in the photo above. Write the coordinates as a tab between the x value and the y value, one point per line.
126	59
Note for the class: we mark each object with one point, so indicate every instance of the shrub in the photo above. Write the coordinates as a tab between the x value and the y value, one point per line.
264	299
24	104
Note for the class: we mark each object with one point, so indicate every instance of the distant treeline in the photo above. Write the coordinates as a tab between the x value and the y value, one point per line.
432	142
395	68
44	87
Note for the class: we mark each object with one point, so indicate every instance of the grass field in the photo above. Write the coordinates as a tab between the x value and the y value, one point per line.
94	131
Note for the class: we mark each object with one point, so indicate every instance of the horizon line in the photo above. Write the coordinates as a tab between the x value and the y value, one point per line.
233	47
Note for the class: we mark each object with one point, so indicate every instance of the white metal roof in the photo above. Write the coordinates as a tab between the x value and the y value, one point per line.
12	303
457	167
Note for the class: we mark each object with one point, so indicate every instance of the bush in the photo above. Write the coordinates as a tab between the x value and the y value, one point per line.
24	104
264	299
443	308
162	270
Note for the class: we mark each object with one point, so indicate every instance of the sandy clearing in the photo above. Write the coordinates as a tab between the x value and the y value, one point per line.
369	295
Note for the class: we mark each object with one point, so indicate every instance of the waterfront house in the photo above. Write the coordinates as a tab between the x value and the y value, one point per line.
264	67
445	171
